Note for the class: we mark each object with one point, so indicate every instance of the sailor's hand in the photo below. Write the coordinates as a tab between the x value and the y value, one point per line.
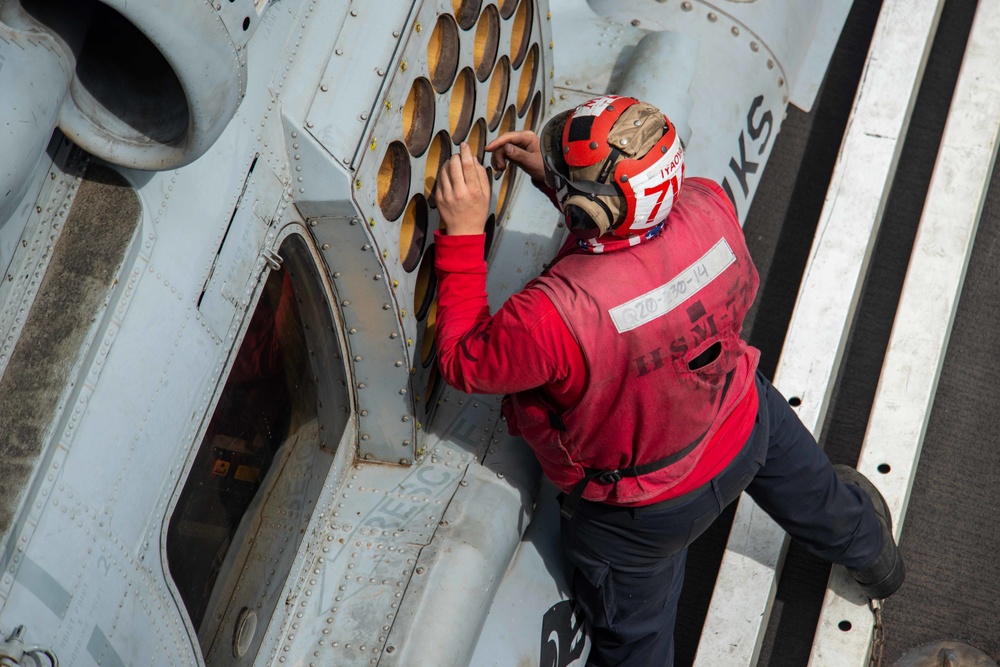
522	148
463	194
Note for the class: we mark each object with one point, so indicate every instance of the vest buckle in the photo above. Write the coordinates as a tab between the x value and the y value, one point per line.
610	476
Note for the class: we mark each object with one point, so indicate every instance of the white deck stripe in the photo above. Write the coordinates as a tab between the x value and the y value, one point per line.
925	315
824	311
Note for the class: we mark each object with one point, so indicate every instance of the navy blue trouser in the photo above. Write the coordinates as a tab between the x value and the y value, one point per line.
629	562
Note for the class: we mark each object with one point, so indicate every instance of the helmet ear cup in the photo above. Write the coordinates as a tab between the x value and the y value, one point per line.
581	224
587	216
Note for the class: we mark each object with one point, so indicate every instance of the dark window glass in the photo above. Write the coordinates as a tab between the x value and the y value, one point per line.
263	460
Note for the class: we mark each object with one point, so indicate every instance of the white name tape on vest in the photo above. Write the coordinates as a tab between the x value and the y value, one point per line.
660	301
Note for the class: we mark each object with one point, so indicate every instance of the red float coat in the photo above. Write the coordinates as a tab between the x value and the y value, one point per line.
616	390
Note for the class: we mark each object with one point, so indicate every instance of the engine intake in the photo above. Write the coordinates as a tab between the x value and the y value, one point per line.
147	84
156	83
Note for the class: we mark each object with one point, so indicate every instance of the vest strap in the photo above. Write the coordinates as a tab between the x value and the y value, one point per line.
571	501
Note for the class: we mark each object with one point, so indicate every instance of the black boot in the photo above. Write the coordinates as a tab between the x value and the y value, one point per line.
886	573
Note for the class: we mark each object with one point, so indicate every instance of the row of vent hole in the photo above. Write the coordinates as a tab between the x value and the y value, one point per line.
466	11
445	43
419	108
412	236
394	180
418	122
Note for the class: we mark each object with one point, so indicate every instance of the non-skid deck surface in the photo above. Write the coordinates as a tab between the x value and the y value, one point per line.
949	541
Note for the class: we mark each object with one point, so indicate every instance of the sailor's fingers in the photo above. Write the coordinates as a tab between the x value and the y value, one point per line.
463	198
472	170
523	139
486	184
522	148
443	188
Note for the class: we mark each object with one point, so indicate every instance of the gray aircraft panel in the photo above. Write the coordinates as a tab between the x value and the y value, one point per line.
31	242
362	62
535	587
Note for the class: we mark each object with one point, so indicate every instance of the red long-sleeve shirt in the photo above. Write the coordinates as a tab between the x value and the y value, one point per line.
526	345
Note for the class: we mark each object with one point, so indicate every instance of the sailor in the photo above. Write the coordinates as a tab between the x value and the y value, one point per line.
625	372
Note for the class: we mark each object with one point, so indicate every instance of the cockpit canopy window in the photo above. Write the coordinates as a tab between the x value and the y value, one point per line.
262	462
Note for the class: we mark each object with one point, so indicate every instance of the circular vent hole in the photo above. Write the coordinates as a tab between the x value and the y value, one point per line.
532	116
426	286
505	183
442	53
466	12
484	49
437	155
427	347
506	125
477	139
526	84
413	232
507	8
418	117
520	33
394	181
496	96
462	104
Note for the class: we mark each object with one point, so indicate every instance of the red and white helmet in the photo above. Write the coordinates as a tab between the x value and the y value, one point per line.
616	164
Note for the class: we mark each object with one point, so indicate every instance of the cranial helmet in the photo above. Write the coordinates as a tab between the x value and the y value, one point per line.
616	165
